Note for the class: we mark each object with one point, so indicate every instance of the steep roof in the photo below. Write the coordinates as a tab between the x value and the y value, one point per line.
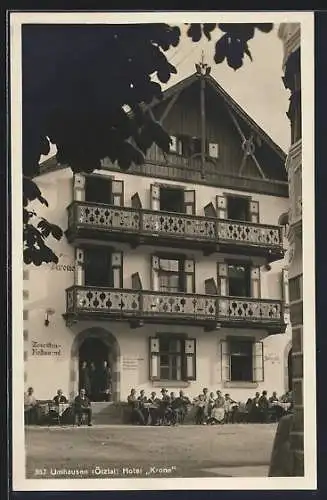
187	82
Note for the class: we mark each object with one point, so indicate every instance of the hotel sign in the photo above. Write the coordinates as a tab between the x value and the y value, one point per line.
46	349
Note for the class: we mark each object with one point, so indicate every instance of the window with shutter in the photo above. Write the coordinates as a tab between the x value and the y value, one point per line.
172	199
221	203
189	202
254	212
98	189
258	367
172	358
102	268
79	187
225	361
172	274
117	188
241	360
238	208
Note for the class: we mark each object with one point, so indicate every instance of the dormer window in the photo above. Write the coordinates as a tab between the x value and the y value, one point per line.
189	146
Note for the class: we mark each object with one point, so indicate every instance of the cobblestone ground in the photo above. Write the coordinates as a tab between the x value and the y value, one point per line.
237	450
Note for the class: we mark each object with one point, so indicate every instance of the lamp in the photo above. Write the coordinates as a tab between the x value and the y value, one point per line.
48	312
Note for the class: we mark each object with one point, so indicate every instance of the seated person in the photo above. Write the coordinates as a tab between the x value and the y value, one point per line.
30	407
263	405
218	411
182	403
174	409
275	410
60	398
137	416
200	405
83	407
154	408
164	409
230	409
143	400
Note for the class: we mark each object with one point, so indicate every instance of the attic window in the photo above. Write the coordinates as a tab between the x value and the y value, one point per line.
185	145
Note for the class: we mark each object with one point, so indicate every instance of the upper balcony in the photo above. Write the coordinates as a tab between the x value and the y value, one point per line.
141	306
140	226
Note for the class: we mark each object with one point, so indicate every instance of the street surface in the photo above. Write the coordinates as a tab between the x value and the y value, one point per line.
234	450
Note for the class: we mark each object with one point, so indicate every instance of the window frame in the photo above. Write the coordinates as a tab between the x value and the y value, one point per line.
227	342
182	354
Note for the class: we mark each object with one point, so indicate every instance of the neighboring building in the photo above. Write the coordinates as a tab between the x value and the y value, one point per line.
173	272
290	35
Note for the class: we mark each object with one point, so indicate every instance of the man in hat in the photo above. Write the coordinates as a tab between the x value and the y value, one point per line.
164	406
154	408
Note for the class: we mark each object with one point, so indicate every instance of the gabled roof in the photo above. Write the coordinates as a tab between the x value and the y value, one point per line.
238	110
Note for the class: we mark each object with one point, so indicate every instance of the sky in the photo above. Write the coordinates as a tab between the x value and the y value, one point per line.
257	87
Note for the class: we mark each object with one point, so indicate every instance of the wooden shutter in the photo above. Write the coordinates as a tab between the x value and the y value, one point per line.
173	144
154	357
213	150
285	289
79	187
221	203
222	279
209	210
189	273
254	211
255	282
117	190
155	196
79	267
189	202
155	261
190	359
225	361
117	269
257	362
136	201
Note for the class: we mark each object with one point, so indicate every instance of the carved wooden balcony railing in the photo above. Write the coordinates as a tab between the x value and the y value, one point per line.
138	306
104	222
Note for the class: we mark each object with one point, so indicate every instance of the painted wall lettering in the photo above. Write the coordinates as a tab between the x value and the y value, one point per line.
46	349
63	267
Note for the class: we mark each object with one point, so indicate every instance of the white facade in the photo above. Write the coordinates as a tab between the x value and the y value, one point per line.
51	352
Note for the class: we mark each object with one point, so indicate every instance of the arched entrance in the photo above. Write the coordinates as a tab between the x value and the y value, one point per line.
289	370
92	347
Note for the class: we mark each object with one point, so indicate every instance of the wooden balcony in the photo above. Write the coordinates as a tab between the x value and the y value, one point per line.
138	226
141	306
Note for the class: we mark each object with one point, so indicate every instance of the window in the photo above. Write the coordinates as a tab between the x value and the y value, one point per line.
172	358
238	208
189	146
102	268
98	189
242	360
101	189
239	280
185	145
172	200
170	275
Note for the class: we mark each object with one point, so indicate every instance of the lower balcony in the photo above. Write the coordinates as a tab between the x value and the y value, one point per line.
141	306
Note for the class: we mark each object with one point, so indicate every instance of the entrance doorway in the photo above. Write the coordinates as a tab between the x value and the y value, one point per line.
289	369
92	354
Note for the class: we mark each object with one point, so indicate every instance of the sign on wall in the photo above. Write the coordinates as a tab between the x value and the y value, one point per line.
131	364
50	349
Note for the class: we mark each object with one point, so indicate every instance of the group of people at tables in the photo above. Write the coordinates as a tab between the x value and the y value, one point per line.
82	407
210	408
169	409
